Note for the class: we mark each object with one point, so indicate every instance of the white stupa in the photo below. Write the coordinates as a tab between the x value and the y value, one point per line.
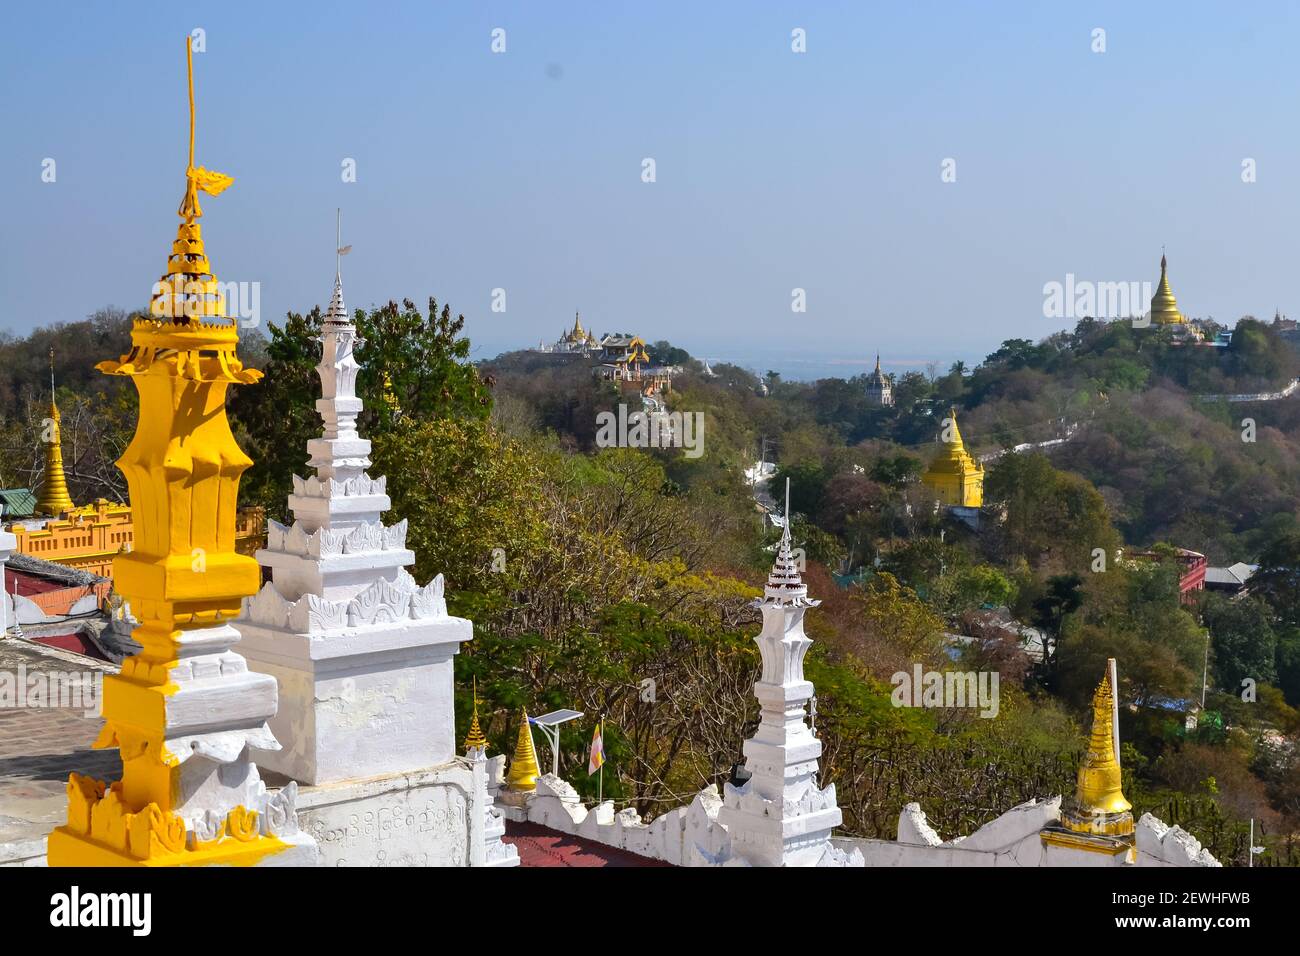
363	656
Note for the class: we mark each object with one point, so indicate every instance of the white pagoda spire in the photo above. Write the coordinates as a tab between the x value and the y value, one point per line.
341	615
340	453
779	816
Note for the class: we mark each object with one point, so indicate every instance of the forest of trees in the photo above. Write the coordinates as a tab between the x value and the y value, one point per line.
589	571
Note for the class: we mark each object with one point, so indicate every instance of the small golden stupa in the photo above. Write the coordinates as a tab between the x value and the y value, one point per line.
54	499
475	740
523	774
1099	804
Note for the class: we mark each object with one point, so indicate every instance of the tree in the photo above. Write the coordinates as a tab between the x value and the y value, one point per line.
1054	519
1133	615
412	366
274	419
1277	580
1243	640
665	353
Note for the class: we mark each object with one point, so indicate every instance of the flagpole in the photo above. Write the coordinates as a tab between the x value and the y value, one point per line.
600	784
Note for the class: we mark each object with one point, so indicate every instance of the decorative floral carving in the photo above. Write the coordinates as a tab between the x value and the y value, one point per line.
241	823
383	602
395	536
280	817
363	538
428	601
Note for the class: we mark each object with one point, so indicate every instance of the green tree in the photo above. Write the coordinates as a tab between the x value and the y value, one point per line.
1243	640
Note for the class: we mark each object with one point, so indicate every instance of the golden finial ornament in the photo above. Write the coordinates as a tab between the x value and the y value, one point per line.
475	739
189	290
524	771
186	732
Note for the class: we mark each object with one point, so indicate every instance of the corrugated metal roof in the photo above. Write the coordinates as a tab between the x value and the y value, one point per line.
17	503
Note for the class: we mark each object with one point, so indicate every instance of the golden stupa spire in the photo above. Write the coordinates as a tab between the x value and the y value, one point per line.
1100	806
54	498
956	445
475	740
189	289
524	771
1164	307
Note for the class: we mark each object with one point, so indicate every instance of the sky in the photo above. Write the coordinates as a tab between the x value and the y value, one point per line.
774	170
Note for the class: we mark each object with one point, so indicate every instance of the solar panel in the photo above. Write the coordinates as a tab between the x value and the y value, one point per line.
556	717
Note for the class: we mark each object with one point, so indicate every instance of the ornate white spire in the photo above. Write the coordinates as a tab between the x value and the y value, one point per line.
784	585
337	313
779	816
339	590
340	453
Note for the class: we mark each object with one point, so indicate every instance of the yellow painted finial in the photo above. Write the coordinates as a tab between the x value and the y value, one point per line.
53	498
190	290
184	732
524	771
475	739
210	182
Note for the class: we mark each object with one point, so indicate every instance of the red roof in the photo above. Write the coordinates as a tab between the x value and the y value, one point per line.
541	846
76	642
29	583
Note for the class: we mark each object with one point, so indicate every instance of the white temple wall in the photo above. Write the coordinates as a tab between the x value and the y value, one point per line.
684	836
1014	839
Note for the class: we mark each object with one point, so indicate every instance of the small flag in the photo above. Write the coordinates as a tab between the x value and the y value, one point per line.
344	250
597	758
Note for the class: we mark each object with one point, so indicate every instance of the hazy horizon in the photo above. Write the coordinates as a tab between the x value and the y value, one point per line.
774	170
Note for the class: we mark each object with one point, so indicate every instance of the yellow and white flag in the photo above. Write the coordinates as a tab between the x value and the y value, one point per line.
597	758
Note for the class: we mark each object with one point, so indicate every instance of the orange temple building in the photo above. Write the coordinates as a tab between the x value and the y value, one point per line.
89	537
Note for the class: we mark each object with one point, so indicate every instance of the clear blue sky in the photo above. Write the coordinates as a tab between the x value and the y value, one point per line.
775	170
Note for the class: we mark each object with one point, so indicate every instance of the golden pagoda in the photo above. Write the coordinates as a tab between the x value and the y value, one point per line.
1164	307
53	498
523	773
475	740
954	476
186	711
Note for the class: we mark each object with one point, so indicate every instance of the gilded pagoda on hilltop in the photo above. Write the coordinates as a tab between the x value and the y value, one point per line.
1164	307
